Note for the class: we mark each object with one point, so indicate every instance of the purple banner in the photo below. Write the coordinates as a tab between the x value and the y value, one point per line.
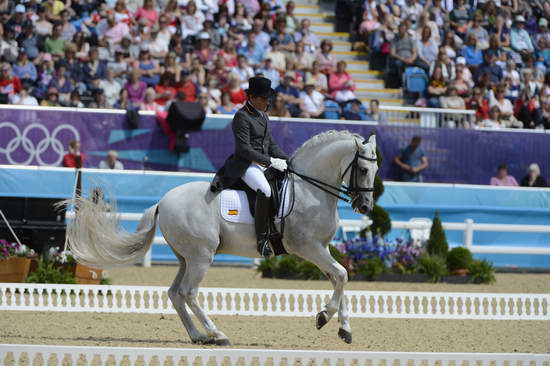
41	137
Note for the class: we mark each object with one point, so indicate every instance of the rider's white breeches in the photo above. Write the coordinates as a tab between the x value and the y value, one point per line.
254	177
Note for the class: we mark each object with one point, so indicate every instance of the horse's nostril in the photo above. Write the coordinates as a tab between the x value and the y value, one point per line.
364	207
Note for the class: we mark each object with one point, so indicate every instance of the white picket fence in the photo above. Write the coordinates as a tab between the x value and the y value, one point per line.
272	302
19	354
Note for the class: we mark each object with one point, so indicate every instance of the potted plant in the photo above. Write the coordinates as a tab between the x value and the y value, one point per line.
83	274
459	260
15	261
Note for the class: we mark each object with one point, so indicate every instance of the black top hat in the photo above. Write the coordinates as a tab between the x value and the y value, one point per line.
260	87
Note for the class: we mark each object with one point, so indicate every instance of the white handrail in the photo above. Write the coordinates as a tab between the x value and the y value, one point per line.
246	357
276	302
468	227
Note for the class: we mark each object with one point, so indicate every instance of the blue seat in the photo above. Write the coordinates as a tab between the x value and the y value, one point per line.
415	80
332	109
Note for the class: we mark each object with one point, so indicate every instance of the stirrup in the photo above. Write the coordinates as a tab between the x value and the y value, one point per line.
265	249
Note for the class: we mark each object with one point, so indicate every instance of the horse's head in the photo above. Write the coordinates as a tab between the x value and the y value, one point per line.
359	174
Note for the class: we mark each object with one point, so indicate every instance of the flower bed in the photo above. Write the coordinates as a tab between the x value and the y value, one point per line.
15	261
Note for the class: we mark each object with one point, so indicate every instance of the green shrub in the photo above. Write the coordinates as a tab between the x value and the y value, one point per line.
482	271
437	244
372	268
378	188
459	258
266	266
48	272
336	254
309	271
434	266
287	266
381	223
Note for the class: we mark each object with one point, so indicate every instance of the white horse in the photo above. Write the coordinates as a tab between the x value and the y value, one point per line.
190	220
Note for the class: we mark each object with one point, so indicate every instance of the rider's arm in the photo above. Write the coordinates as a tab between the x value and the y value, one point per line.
241	130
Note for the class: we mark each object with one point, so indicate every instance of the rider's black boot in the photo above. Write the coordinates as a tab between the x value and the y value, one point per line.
262	224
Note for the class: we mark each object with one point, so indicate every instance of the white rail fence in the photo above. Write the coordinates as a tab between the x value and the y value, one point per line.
272	302
19	354
468	227
428	117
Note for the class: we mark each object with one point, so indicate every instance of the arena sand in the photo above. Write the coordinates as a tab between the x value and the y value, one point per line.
142	330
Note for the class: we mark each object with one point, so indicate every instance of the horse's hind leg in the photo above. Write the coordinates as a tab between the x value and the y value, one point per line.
197	266
178	300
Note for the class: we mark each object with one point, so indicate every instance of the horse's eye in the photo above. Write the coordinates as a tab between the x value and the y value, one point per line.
363	170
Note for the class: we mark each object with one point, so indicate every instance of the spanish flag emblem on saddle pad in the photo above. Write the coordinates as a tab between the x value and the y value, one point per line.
232	212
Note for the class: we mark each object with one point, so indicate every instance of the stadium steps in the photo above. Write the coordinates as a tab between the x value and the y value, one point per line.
369	83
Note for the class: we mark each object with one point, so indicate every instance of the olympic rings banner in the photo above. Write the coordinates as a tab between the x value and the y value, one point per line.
40	136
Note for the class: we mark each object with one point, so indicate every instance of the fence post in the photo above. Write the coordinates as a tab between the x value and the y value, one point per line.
469	233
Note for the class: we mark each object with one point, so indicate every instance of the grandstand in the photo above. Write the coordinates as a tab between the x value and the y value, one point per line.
133	54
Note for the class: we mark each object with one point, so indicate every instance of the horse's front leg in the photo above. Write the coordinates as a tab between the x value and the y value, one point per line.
320	256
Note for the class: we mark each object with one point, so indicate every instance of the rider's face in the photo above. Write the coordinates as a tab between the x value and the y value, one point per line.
260	103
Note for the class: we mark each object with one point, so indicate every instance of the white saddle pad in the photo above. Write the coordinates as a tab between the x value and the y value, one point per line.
234	207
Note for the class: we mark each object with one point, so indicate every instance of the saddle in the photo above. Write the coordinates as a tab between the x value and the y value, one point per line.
277	181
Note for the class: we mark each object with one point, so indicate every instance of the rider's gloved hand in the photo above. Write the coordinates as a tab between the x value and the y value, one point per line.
279	164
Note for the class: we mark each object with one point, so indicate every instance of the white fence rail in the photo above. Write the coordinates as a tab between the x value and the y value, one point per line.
19	354
468	227
428	117
272	302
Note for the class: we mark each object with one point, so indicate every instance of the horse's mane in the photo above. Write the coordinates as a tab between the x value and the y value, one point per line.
326	137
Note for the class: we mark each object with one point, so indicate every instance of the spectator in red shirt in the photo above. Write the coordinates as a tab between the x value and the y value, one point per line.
148	12
9	85
236	93
165	89
187	87
74	158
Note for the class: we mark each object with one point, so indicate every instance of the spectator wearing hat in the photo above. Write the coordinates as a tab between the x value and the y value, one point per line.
544	32
204	53
312	103
52	98
253	51
466	74
533	177
55	45
25	70
270	73
502	178
54	8
17	21
519	38
289	94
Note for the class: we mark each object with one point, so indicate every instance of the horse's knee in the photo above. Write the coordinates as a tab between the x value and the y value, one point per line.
341	276
191	297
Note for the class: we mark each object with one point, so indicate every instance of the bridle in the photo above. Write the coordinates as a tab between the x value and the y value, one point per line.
350	192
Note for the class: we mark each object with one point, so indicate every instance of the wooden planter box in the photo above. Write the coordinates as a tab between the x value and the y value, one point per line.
84	275
14	269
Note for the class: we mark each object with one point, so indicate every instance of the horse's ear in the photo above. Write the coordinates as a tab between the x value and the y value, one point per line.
371	139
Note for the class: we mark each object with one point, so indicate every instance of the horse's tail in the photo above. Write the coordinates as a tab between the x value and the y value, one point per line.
96	239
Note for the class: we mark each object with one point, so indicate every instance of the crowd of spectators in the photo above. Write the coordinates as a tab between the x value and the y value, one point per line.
132	54
492	56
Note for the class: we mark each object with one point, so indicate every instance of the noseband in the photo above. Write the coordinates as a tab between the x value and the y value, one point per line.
349	192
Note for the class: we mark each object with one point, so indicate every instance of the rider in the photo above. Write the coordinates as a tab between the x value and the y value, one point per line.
255	150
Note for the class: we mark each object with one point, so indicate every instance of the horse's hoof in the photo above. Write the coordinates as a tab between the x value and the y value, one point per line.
322	319
344	335
223	342
204	341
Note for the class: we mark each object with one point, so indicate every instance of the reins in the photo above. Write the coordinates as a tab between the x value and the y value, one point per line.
347	191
